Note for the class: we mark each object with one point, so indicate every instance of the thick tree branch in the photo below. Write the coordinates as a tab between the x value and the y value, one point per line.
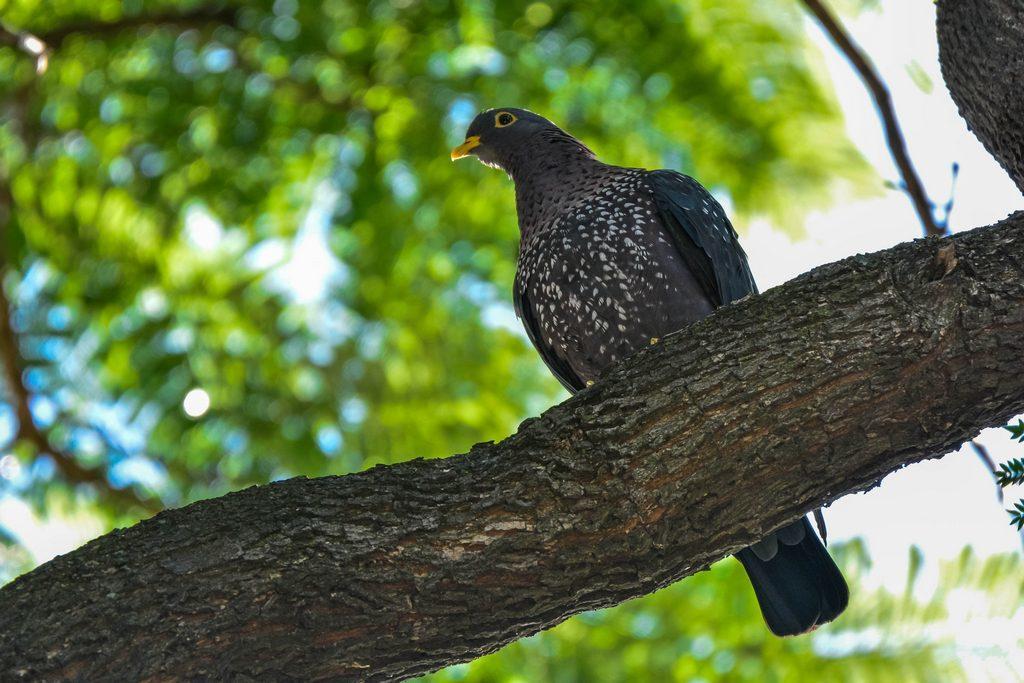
981	49
883	103
679	456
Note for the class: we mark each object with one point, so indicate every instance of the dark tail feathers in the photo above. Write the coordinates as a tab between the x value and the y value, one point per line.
796	582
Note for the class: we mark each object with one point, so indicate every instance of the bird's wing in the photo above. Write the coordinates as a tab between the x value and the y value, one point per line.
703	235
558	365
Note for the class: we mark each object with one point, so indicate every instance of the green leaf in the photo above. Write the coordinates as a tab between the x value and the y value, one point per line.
1017	430
1011	473
920	77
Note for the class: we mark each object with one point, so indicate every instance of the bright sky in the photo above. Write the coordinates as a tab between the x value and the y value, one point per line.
940	505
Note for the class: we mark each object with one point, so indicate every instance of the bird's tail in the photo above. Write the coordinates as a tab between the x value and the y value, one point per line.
797	584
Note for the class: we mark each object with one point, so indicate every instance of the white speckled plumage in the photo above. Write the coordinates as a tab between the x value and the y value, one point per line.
597	268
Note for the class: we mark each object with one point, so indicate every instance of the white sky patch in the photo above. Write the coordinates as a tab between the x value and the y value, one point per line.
311	269
202	229
44	539
499	315
266	254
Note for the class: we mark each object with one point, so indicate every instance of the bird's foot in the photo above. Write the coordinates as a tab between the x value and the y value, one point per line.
590	382
655	340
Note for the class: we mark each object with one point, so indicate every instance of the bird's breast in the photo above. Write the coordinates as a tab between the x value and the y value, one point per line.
603	280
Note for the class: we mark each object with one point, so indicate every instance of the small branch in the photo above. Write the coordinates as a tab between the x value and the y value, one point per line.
990	464
197	17
40	46
883	103
28	431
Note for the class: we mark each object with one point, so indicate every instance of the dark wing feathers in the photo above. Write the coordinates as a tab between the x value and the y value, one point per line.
558	366
703	235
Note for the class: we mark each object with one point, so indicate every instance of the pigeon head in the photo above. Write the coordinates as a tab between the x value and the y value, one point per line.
506	136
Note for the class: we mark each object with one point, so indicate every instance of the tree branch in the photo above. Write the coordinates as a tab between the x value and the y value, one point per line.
883	104
982	58
197	17
39	48
679	456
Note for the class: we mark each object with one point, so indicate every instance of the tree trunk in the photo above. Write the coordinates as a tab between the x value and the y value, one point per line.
981	47
678	457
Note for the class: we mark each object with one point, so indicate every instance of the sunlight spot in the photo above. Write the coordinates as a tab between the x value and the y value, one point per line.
196	403
310	269
201	228
33	44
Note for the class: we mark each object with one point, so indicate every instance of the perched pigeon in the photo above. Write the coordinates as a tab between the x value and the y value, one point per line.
611	259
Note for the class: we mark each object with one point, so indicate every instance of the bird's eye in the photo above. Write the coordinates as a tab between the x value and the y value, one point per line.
504	118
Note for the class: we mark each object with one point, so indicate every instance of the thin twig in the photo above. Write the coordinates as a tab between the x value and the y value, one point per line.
196	17
984	456
883	103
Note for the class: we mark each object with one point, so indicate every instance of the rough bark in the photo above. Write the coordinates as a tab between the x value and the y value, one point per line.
681	455
981	48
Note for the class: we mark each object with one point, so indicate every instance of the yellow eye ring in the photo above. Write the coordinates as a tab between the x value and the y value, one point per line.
504	118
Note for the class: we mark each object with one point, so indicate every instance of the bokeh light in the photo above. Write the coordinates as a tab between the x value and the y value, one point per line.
196	403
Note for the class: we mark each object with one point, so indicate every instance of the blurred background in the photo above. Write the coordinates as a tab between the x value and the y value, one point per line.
234	250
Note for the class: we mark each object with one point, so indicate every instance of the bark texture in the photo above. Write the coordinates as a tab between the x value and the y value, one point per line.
981	48
680	456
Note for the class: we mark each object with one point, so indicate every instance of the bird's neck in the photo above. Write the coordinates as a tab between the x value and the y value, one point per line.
549	177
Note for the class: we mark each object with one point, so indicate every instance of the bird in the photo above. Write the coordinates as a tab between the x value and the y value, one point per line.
611	259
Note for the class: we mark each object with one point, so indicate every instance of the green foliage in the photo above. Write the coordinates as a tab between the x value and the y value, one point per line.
707	628
1017	515
163	175
1011	473
920	77
1017	430
854	7
13	558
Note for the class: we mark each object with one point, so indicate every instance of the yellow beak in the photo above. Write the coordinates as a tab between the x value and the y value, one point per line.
463	150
